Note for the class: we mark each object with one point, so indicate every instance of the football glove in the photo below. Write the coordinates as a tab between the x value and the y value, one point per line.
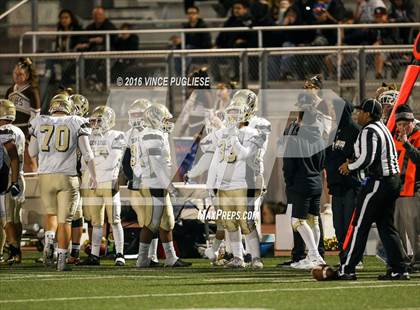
14	190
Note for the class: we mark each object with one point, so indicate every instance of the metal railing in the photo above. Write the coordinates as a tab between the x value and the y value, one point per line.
256	62
13	8
182	31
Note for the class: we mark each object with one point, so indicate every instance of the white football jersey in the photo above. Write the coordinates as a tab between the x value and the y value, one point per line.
154	159
108	149
230	168
6	135
132	139
57	139
207	146
264	129
19	137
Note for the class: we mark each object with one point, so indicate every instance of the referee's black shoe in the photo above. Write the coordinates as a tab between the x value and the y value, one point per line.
344	276
394	276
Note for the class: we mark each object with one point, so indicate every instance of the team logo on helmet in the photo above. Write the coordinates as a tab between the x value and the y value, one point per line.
157	116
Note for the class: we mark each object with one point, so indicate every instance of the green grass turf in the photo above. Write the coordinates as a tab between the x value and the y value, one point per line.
32	286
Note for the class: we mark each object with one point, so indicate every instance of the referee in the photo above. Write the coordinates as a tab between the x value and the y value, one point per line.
376	155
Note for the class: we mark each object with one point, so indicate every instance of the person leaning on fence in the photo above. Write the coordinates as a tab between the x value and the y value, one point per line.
407	209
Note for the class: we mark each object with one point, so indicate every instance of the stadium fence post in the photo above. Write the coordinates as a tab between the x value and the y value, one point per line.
263	68
80	68
362	73
170	69
243	69
339	55
108	61
34	24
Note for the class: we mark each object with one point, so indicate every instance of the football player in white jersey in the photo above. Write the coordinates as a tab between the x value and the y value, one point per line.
132	168
231	175
11	203
249	99
108	146
80	108
156	183
55	139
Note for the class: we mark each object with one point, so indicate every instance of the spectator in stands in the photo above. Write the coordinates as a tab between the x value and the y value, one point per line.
278	10
95	69
260	11
403	11
125	42
24	93
241	17
200	40
365	10
100	22
381	36
327	12
67	22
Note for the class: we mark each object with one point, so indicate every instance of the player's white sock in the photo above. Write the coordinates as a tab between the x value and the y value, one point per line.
153	250
236	243
252	242
308	237
170	253
216	244
49	237
142	259
96	240
118	234
227	242
2	239
317	234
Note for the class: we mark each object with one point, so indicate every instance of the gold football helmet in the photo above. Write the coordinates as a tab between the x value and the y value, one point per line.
7	110
103	118
235	114
61	103
157	116
136	112
80	105
248	99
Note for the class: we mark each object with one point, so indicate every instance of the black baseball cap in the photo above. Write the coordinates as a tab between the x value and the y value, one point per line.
372	106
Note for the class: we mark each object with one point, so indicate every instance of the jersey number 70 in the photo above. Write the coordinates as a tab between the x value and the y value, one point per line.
61	135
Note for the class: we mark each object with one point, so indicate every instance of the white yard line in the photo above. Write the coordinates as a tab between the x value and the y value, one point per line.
205	293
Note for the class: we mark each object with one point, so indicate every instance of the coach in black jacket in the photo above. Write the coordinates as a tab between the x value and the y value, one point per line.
343	188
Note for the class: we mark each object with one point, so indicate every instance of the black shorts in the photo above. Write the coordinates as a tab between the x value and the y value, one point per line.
4	177
302	206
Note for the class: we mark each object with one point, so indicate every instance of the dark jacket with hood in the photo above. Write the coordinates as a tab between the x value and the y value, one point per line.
198	39
229	39
304	158
342	148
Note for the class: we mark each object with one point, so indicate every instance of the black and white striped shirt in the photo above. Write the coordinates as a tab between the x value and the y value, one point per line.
375	151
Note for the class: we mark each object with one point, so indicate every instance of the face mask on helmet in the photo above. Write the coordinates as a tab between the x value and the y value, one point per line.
233	116
135	119
103	119
167	126
248	99
80	105
388	98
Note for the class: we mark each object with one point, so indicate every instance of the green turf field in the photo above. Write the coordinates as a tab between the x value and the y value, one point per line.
32	286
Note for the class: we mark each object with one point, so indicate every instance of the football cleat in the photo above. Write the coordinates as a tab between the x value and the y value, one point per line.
7	110
345	276
15	255
394	276
73	260
179	263
257	263
236	262
91	260
155	264
48	257
119	260
2	259
62	263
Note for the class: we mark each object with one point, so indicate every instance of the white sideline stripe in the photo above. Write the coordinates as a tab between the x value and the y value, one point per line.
75	277
102	297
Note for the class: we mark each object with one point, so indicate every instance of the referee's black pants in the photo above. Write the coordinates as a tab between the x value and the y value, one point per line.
376	204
